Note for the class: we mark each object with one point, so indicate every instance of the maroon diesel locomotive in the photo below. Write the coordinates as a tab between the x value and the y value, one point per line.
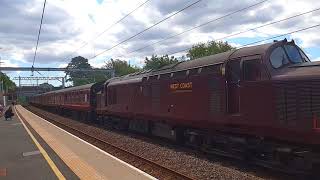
260	103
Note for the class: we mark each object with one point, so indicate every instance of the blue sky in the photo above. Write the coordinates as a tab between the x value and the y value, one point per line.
99	1
70	24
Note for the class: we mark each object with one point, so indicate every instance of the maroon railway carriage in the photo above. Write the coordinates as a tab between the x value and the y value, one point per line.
78	102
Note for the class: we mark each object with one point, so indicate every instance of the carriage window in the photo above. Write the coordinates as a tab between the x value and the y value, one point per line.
252	70
278	57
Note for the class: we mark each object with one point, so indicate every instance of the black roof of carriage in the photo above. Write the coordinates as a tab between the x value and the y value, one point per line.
86	86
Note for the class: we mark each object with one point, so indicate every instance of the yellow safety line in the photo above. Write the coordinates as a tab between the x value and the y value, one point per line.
43	152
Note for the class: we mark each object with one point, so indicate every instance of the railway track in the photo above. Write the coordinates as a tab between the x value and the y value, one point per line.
257	170
142	163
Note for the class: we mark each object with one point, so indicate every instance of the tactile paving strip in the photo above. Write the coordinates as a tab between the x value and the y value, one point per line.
79	167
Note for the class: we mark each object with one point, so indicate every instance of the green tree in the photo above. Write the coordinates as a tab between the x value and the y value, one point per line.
99	76
83	77
207	49
46	87
78	77
121	67
156	62
7	83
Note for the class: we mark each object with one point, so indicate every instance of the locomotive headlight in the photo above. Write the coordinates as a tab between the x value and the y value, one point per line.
223	70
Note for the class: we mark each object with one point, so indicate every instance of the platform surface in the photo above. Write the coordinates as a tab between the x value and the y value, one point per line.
84	159
20	158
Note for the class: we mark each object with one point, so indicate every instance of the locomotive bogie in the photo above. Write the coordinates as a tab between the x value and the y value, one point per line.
163	130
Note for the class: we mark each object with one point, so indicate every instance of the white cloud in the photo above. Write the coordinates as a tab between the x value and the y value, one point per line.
63	65
8	63
96	64
317	59
68	24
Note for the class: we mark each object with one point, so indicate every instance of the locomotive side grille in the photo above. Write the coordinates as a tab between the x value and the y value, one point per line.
155	100
281	104
305	100
291	103
316	99
215	102
297	101
215	94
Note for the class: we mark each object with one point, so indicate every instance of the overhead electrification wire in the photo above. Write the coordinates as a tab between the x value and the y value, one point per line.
258	27
131	37
35	52
107	29
281	35
198	26
266	39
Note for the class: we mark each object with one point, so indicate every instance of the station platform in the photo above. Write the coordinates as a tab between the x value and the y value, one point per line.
33	148
20	156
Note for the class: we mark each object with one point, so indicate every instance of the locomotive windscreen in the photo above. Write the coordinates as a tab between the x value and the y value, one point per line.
287	54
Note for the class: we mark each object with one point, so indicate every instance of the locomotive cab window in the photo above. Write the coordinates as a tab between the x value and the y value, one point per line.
287	54
252	70
304	56
234	72
278	57
293	53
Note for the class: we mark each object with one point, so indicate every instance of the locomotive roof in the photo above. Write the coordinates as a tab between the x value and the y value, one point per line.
200	62
184	65
222	57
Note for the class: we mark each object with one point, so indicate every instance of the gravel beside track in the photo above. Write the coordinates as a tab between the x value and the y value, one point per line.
186	162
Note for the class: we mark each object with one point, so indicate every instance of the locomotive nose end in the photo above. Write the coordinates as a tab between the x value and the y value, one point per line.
309	71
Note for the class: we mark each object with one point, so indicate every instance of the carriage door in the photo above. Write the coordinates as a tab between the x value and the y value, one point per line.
233	85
